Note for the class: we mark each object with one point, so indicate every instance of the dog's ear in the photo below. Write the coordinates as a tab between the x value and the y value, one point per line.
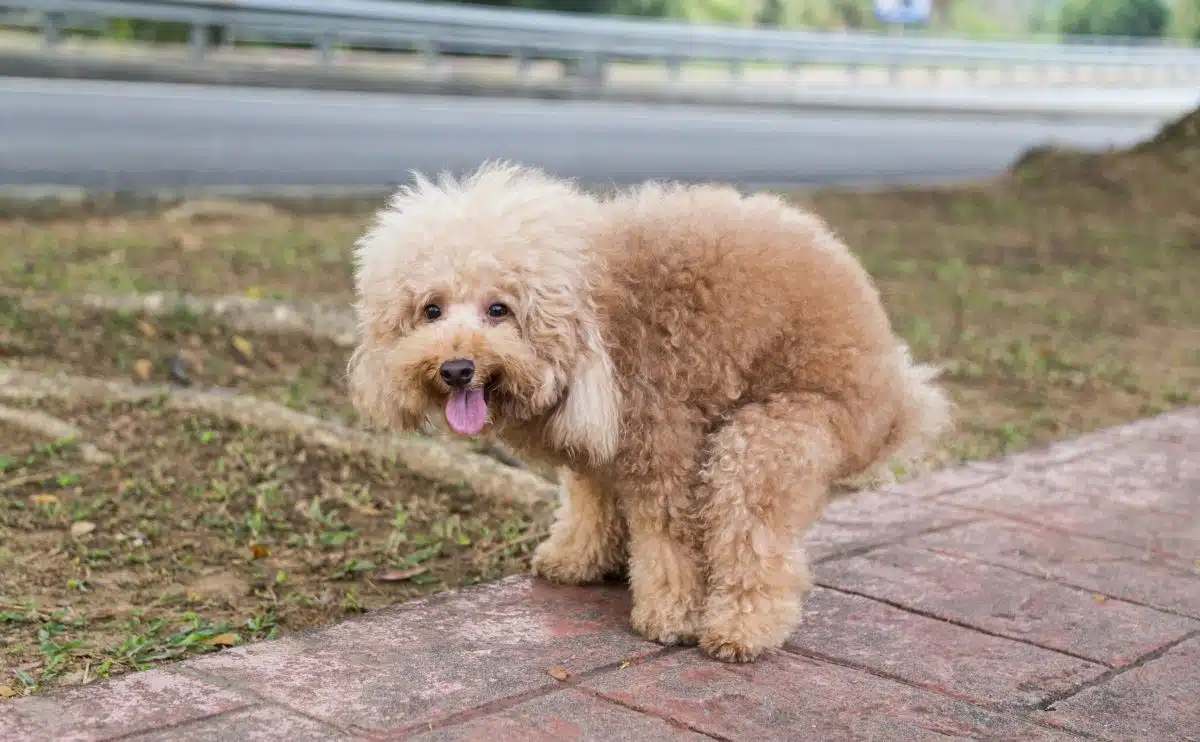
376	396
587	420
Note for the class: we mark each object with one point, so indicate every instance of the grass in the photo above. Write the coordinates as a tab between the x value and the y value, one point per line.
1060	298
202	534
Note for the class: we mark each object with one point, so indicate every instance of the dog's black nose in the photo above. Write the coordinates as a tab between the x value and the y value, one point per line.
458	373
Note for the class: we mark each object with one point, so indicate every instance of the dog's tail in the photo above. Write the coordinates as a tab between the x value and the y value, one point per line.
926	412
924	417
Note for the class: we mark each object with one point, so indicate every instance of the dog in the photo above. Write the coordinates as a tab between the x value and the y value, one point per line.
701	363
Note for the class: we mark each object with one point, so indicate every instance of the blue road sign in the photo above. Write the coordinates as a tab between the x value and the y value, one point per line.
903	11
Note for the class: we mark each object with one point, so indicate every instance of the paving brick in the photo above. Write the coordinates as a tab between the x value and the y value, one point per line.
943	657
1157	701
1154	474
569	715
420	662
1121	571
251	725
1008	603
872	518
1148	505
132	703
788	697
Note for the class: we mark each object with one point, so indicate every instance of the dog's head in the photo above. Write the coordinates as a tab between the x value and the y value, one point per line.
475	309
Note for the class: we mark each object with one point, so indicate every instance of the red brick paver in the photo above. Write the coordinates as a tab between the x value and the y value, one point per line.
1053	595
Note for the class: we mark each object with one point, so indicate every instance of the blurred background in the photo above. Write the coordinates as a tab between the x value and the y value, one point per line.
354	93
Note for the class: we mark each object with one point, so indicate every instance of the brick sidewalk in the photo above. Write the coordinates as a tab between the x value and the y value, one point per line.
1052	595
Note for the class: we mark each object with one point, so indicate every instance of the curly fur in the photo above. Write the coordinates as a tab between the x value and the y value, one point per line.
705	364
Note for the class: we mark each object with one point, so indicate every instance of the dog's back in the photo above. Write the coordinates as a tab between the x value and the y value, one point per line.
715	300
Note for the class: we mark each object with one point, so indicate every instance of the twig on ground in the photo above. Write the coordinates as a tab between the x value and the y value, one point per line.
9	605
424	457
24	479
501	548
53	428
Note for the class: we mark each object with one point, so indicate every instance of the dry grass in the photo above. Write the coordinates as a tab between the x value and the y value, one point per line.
1061	299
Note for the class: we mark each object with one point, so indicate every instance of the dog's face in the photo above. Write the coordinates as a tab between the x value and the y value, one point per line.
474	306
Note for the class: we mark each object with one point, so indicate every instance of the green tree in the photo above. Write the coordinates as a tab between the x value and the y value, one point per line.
1145	18
1185	20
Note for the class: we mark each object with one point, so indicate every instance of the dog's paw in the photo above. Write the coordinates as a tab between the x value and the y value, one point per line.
566	567
743	636
729	650
666	628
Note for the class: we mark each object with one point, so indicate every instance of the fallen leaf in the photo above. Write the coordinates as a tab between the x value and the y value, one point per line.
142	368
243	347
258	551
398	575
82	527
222	640
1099	598
625	664
254	292
558	673
7	691
44	498
148	330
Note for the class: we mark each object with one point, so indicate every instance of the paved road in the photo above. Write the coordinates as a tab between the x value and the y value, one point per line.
118	135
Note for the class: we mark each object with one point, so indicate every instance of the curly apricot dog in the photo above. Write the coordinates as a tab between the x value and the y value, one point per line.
703	364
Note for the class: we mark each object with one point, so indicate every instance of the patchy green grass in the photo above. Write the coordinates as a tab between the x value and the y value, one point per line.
1060	299
202	534
279	256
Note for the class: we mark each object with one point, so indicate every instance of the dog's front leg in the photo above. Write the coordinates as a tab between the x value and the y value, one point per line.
588	539
665	572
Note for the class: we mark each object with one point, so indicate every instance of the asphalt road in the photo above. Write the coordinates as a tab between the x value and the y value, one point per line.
131	135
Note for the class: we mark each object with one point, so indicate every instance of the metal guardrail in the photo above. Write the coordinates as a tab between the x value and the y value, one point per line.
588	43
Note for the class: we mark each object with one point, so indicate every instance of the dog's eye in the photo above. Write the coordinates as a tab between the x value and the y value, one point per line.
497	310
432	311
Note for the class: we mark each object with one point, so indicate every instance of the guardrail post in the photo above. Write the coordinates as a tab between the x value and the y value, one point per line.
197	40
52	24
324	45
430	54
674	69
590	68
524	64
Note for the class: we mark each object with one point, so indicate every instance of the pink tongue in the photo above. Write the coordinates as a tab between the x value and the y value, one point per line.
466	411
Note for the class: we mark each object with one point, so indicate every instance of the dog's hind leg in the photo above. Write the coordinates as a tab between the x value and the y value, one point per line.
588	539
765	481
